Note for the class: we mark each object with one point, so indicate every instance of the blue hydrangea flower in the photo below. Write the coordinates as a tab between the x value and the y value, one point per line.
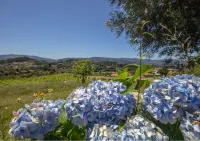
135	129
168	98
101	102
190	126
36	119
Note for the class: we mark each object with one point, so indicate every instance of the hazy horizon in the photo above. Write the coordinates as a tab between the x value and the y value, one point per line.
72	57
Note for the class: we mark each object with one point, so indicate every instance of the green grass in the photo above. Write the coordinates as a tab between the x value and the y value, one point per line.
12	89
45	78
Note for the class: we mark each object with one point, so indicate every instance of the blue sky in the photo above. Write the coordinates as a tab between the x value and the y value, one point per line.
59	28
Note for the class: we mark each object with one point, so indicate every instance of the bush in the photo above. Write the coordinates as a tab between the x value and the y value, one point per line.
197	70
163	71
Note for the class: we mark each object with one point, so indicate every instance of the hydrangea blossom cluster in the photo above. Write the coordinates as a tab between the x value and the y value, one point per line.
101	102
168	98
36	119
190	126
137	128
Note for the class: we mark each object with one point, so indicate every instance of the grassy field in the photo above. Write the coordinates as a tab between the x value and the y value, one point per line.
24	88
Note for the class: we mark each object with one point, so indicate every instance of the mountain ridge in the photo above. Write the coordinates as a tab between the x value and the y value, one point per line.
120	60
10	56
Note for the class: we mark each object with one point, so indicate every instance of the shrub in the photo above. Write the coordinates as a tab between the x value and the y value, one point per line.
197	70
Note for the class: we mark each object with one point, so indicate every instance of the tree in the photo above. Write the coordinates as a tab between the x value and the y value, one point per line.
174	24
82	69
163	71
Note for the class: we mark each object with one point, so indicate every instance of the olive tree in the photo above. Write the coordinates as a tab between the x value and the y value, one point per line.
174	24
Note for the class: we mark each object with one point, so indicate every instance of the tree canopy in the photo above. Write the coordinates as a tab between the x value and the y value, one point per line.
174	25
82	69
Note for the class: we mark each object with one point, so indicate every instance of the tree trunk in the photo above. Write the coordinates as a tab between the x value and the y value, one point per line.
83	80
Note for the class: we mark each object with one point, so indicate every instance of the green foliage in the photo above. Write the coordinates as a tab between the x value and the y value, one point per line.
63	116
82	69
122	77
107	66
172	29
121	125
128	68
144	69
131	65
128	81
142	84
163	71
66	130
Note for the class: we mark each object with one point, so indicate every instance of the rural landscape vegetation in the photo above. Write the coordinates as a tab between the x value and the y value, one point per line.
168	28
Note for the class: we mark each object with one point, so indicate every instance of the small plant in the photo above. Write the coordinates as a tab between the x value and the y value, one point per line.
130	80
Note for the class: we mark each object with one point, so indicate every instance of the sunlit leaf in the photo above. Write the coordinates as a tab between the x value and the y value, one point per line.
147	33
144	23
125	69
144	69
131	65
63	115
122	77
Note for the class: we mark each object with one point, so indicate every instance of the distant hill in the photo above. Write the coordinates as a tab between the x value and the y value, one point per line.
128	60
10	56
94	59
120	60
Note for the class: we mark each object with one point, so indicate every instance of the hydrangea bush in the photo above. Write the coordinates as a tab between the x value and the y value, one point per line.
101	102
137	128
36	119
168	99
